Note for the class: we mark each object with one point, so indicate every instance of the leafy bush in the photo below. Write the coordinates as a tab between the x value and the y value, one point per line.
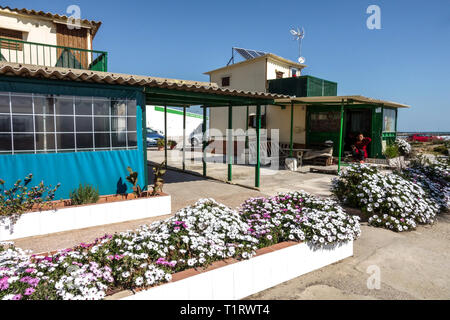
391	201
298	216
84	195
391	151
22	198
442	149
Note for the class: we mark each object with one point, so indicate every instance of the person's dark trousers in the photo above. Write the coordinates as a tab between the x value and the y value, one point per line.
358	154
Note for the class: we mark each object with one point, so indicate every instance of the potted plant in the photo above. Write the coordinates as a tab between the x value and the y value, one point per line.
160	144
172	144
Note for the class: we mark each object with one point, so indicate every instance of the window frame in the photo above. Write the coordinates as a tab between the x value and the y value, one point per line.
58	133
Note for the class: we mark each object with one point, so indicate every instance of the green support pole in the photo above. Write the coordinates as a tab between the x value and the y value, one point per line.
184	138
204	141
246	129
291	141
258	147
144	138
340	136
165	134
230	145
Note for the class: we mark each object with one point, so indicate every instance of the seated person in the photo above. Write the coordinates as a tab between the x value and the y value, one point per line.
359	148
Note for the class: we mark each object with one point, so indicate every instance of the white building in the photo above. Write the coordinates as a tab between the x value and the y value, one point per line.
252	75
30	37
155	121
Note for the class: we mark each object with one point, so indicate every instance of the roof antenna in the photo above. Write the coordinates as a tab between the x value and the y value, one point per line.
298	36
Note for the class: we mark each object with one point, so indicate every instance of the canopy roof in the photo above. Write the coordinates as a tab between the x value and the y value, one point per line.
338	100
158	91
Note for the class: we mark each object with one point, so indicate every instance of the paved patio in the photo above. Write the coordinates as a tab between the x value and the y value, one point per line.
273	180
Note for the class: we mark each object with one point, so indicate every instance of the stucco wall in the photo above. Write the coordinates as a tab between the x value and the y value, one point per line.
249	77
33	30
278	118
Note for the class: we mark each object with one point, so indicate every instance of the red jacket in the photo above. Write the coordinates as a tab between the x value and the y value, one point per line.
362	145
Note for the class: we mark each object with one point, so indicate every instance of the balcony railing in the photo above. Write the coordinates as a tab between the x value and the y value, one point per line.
52	56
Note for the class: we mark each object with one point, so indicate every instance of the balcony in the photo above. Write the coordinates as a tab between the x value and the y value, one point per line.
47	55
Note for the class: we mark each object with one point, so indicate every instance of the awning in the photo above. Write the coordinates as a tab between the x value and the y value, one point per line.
338	100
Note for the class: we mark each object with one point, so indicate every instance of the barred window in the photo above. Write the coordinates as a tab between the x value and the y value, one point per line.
32	123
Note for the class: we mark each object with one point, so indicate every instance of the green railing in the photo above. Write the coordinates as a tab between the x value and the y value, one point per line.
25	52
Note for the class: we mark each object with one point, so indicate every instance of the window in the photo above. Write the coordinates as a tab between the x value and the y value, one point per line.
225	81
32	123
389	120
11	35
325	121
279	74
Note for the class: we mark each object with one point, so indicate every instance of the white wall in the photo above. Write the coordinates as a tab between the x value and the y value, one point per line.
252	77
155	120
249	77
34	30
278	118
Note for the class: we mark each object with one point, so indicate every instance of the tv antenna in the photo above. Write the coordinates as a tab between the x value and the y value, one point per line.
298	36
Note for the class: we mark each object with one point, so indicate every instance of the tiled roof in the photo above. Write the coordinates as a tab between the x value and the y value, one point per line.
95	24
32	71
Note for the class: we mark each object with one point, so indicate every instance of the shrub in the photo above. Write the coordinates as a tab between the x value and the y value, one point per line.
434	177
442	149
391	201
298	216
84	195
21	198
391	151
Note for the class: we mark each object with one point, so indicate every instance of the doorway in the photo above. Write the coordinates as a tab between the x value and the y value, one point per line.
357	121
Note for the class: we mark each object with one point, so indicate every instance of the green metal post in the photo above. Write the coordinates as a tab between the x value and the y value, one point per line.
165	134
258	146
246	129
291	141
184	138
230	145
144	138
204	141
340	136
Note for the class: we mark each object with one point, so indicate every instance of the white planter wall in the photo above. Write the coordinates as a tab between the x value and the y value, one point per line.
244	278
45	222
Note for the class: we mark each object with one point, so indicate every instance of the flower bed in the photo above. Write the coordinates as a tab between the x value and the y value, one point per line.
195	236
389	200
84	216
433	177
298	216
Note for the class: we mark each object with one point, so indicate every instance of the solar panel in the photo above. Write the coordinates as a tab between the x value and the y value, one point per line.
249	54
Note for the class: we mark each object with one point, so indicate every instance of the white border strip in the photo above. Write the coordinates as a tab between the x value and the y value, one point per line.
244	278
72	218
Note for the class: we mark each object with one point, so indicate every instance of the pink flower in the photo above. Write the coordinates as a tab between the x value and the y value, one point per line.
29	291
17	297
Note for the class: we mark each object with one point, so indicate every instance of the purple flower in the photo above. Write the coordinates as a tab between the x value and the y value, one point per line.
17	297
29	291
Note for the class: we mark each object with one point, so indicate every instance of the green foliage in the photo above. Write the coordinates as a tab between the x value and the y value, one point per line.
160	142
442	149
21	198
84	195
158	172
133	179
391	151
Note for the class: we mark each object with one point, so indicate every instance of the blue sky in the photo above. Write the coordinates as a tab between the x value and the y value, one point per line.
407	61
